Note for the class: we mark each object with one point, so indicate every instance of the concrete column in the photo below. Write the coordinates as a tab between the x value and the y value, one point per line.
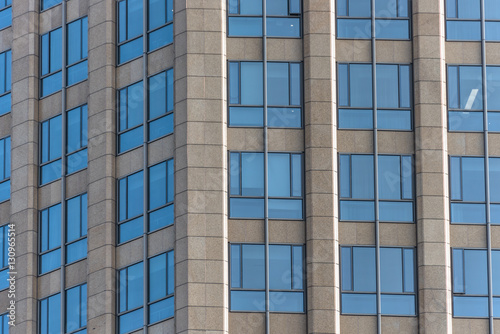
101	275
433	233
24	170
320	125
201	249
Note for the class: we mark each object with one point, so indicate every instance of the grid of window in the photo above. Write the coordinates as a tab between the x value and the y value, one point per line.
395	179
50	233
75	312
130	27
463	20
355	96
470	283
5	81
358	280
282	18
286	282
4	257
5	13
160	110
465	98
246	94
4	323
77	47
46	4
51	46
285	185
391	19
467	190
160	296
161	201
4	169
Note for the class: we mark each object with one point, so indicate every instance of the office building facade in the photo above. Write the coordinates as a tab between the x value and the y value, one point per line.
249	166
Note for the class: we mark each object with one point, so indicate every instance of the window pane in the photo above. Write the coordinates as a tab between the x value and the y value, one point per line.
130	50
157	185
355	119
157	95
386	8
343	84
248	301
278	84
158	277
55	50
251	7
458	271
387	85
280	267
246	208
50	261
469	9
76	251
252	83
130	139
161	218
134	18
345	253
463	30
398	304
296	174
130	230
295	84
357	210
404	86
253	267
6	18
409	271
359	8
389	177
298	259
157	13
131	321
161	127
135	195
246	116
277	7
465	121
245	26
354	28
361	85
234	83
492	9
470	307
161	37
234	174
134	286
161	310
74	41
342	7
283	27
473	179
495	260
235	266
493	84
453	94
494	179
285	209
468	213
362	176
393	29
391	269
252	170
471	91
364	269
359	303
279	175
51	84
476	280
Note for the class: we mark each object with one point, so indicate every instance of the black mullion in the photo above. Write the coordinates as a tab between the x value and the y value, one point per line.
401	179
239	77
240	158
403	262
289	81
291	267
241	265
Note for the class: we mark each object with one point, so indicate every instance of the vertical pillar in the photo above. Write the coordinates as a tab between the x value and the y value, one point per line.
320	125
101	168
24	165
434	284
200	167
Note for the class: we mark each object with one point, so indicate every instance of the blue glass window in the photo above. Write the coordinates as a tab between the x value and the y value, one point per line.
284	91
4	257
76	309
77	50
5	13
50	315
131	114
4	169
50	162
391	19
470	282
4	323
161	28
50	239
130	206
76	228
51	62
129	30
161	195
283	18
355	97
5	80
161	287
395	179
358	280
463	20
45	4
286	278
76	141
160	298
247	185
161	104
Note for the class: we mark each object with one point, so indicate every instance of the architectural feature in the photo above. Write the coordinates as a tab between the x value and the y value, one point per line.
250	166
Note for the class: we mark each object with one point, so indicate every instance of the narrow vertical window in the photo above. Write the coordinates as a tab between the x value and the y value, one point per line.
51	62
77	50
50	314
160	28
130	30
50	239
131	117
5	81
161	195
50	159
161	104
4	257
4	169
76	141
76	309
5	13
76	228
161	287
130	298
130	207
